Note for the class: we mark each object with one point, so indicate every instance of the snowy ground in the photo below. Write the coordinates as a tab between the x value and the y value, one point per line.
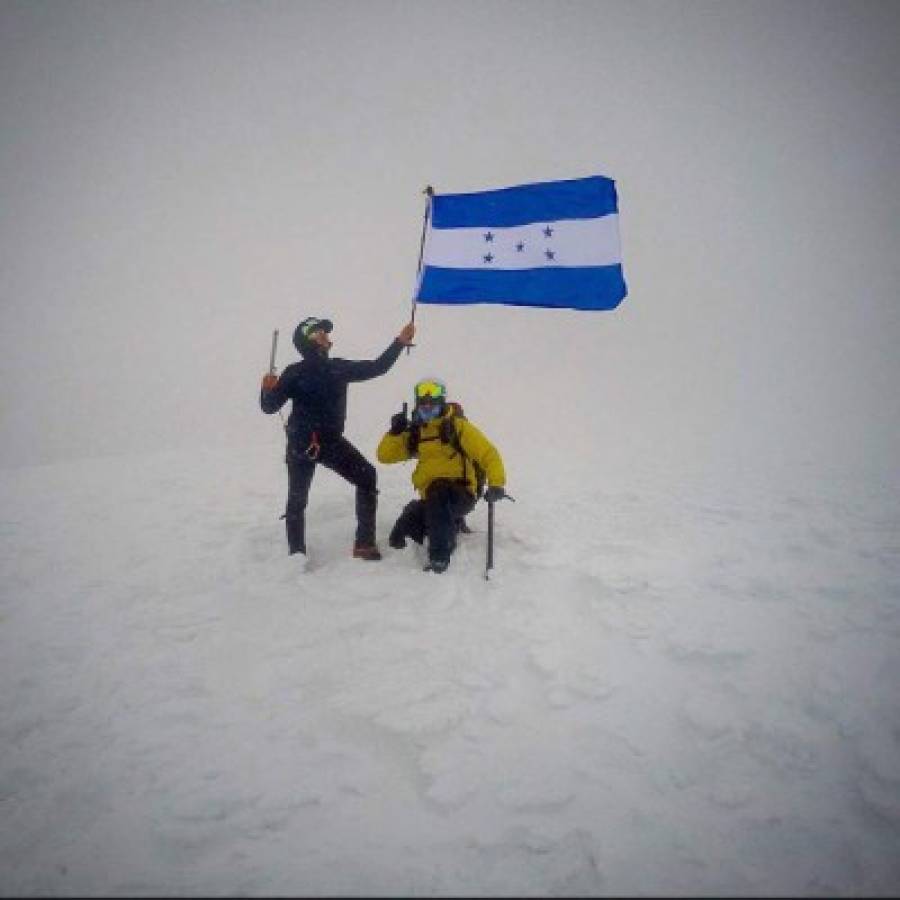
669	686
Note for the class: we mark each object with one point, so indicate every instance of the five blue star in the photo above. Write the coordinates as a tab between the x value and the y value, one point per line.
520	245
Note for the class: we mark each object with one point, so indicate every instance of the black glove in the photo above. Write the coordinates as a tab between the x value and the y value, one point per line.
493	494
399	423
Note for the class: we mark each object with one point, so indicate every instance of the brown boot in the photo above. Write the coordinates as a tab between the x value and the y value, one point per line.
366	551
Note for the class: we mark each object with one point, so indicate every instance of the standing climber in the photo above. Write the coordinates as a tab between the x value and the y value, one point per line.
317	385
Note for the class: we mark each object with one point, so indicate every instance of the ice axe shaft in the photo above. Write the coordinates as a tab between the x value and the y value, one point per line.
490	534
490	543
274	348
272	371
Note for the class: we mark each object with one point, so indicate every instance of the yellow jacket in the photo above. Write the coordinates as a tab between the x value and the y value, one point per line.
437	459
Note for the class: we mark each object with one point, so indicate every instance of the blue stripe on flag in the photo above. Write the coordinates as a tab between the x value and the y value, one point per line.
577	198
594	287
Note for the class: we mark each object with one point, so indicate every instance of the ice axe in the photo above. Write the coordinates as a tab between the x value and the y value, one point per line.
490	535
272	371
272	355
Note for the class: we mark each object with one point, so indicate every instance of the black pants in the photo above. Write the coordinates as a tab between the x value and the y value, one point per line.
339	455
437	516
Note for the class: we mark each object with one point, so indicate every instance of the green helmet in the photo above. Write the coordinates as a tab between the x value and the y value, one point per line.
305	329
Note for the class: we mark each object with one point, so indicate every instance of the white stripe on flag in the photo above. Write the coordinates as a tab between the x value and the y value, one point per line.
571	242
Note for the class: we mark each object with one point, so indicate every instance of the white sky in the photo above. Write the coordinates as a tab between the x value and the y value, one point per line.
178	179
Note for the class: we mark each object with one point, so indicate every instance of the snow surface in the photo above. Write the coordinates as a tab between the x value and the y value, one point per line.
684	676
672	684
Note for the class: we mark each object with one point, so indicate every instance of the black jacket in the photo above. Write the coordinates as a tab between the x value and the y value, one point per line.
317	385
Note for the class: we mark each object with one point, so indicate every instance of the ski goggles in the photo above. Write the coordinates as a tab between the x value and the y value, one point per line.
310	326
430	392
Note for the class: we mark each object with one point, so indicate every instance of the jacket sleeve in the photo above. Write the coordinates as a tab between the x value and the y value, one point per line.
393	448
479	448
364	369
271	401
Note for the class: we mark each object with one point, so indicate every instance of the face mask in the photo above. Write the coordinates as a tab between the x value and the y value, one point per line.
427	413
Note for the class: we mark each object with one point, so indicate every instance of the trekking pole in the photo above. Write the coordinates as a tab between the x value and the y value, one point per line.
429	192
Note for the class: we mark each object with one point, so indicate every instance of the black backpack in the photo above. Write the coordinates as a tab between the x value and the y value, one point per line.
449	434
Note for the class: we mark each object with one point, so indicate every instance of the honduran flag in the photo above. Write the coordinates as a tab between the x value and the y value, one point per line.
551	244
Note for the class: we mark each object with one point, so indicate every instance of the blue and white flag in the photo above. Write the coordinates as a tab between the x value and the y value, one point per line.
552	244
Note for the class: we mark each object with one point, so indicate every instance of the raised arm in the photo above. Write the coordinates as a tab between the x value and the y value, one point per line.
364	369
394	445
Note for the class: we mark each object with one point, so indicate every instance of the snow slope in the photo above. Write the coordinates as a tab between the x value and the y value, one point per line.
679	685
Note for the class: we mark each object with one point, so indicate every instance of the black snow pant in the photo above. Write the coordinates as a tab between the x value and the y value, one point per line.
339	455
438	517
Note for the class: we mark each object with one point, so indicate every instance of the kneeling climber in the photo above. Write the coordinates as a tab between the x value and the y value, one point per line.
454	459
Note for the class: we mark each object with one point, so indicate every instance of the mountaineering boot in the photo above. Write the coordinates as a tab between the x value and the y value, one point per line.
437	565
366	551
397	539
410	524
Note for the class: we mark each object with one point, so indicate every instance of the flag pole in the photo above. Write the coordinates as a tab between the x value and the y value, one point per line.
429	192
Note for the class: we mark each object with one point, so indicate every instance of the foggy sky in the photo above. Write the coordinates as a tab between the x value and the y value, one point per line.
179	179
